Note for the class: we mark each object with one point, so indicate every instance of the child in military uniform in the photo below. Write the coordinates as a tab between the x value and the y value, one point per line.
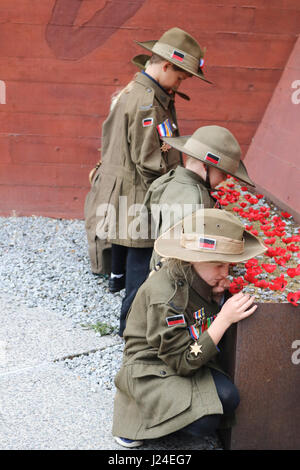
212	152
133	157
171	378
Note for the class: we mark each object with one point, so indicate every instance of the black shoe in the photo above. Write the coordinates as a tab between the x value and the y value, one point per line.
115	284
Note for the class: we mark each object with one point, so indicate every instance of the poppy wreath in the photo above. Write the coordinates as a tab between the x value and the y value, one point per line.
275	275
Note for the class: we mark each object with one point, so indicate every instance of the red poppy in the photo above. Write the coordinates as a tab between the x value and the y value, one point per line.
237	285
270	241
244	188
293	298
243	204
270	268
262	283
292	272
250	277
279	283
280	261
293	247
286	215
251	262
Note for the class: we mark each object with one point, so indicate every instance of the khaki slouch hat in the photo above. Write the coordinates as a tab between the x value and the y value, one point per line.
179	48
209	235
215	146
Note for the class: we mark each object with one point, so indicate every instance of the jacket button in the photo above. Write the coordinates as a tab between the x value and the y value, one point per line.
163	372
180	283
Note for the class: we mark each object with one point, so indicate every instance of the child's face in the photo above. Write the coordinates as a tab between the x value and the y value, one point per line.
214	274
171	79
216	176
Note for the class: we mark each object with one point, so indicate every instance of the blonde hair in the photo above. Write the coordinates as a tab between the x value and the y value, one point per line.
179	269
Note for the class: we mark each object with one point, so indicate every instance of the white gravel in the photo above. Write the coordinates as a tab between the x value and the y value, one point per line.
45	264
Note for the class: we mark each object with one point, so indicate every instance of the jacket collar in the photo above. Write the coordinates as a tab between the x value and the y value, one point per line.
148	82
202	288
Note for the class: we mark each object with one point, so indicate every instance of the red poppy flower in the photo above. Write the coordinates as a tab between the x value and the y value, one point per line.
250	277
293	298
237	285
223	203
292	272
251	262
293	247
270	241
280	261
261	283
244	188
259	196
269	233
286	215
278	251
279	283
270	268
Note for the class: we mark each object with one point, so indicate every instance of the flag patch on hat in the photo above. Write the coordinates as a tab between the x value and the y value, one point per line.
177	55
147	122
165	129
175	320
210	157
207	243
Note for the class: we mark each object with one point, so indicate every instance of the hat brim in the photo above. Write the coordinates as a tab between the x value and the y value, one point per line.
149	46
168	246
179	143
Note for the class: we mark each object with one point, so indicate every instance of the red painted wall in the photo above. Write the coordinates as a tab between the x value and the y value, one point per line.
60	61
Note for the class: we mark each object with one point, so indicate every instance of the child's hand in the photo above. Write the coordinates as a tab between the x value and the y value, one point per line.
236	308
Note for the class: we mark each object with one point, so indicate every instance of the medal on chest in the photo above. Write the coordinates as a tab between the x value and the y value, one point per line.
201	324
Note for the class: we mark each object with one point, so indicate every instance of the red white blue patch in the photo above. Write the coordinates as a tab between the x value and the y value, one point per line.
147	122
175	320
165	129
207	243
177	55
210	157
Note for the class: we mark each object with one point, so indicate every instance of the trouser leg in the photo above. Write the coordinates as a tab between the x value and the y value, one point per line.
118	259
229	397
137	270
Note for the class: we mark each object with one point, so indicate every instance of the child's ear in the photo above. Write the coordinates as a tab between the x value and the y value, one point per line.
166	66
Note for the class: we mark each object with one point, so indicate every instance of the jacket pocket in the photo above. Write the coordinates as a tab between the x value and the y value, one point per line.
159	392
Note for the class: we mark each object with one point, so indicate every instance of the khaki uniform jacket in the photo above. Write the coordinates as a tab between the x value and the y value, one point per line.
131	160
172	197
162	386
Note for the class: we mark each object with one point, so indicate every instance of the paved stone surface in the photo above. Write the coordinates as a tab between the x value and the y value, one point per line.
46	406
30	336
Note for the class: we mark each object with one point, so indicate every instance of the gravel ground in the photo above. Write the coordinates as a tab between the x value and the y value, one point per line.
45	264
